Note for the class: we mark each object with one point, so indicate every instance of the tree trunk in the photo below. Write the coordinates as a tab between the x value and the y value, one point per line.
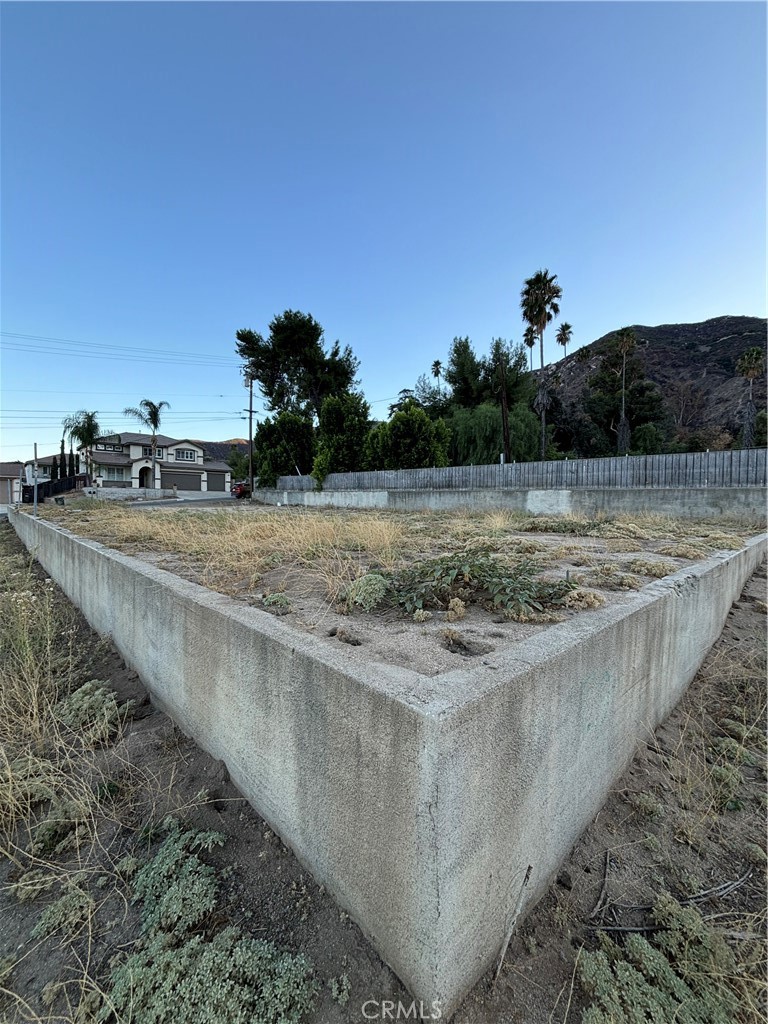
543	399
504	409
748	435
623	435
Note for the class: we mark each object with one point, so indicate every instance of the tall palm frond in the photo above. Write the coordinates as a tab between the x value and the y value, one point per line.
540	304
148	414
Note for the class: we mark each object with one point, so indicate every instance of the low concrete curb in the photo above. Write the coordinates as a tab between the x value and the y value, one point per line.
418	801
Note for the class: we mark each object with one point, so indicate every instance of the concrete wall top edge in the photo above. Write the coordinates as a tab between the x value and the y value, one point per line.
464	686
417	691
433	697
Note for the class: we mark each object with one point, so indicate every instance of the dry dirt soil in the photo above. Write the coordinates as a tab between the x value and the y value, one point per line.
662	828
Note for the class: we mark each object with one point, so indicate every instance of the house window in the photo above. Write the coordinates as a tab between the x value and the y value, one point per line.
146	451
186	455
109	447
113	472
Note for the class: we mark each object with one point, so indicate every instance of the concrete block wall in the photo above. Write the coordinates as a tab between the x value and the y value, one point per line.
418	801
702	501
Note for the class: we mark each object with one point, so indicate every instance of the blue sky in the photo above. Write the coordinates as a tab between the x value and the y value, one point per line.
174	172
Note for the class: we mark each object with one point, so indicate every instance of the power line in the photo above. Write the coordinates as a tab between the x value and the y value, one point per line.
102	347
111	394
174	359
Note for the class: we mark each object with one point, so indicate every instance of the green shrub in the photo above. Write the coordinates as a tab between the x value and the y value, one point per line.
180	974
91	711
368	592
685	973
228	980
476	576
69	911
177	889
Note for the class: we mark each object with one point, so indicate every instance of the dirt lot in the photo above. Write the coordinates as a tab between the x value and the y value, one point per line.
86	788
416	589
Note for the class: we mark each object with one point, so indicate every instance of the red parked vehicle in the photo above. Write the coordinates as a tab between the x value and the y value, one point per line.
240	489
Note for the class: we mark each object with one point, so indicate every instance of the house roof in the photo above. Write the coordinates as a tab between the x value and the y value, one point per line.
213	450
10	469
43	460
129	438
112	459
121	459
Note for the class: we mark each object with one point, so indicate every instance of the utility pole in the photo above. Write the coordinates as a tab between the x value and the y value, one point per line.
34	478
249	384
250	437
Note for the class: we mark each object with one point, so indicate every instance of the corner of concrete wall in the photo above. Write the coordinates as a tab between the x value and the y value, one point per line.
418	802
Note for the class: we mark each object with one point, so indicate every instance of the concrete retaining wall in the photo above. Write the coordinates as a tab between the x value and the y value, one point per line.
418	801
705	501
129	493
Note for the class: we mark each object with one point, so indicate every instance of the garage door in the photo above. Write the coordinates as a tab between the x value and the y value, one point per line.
215	481
183	481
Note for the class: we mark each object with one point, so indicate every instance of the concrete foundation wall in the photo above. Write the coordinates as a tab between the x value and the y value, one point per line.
705	502
129	493
418	801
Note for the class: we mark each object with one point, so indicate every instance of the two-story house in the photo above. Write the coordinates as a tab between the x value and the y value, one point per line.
125	460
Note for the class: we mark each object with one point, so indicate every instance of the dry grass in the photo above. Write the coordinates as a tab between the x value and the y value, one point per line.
69	791
321	552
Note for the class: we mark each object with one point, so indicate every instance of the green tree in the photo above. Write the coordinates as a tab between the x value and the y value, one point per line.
464	373
648	439
516	376
62	461
476	435
431	398
291	366
563	336
410	440
625	344
761	429
54	468
341	435
376	447
83	427
282	446
437	369
72	465
619	384
540	304
405	397
149	414
238	463
415	441
750	366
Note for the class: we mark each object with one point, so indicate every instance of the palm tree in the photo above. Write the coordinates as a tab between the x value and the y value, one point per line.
148	415
750	365
625	343
539	302
563	336
437	369
529	338
84	427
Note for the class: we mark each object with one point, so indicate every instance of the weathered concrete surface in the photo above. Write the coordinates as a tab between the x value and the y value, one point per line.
418	801
151	494
704	501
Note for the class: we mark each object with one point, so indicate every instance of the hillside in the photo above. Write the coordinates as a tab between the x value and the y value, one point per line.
693	364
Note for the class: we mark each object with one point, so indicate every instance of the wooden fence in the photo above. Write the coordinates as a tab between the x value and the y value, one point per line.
744	468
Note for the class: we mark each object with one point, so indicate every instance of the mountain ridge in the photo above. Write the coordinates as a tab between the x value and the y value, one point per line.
693	364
